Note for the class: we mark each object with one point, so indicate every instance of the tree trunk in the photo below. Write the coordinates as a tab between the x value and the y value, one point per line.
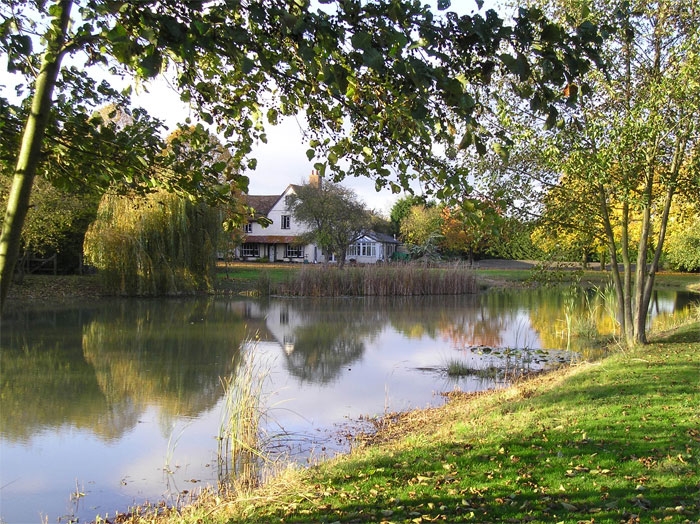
30	148
627	275
612	248
641	308
342	254
646	287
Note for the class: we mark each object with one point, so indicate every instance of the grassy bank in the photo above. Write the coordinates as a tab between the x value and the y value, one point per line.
606	442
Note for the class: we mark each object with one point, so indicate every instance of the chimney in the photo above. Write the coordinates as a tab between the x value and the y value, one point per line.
315	179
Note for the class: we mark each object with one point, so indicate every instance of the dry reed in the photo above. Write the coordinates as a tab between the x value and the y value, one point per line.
241	448
379	280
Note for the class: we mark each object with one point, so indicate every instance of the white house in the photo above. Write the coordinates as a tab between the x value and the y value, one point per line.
280	241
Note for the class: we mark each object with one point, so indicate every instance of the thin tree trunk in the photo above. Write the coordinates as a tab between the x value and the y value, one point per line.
640	311
30	148
627	274
612	248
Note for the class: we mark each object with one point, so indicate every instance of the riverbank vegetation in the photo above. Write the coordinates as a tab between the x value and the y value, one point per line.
379	280
267	278
610	441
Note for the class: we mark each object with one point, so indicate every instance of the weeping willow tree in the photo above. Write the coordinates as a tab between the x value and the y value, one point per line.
157	244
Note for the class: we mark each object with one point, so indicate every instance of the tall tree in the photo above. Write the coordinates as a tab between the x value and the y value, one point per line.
470	227
380	82
334	215
421	230
630	147
402	208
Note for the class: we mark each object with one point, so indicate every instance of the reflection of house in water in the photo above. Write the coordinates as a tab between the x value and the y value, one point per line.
281	322
276	322
316	348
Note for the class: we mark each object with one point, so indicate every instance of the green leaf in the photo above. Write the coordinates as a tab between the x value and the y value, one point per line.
247	66
21	45
551	33
501	150
373	58
117	34
321	168
443	4
310	153
219	166
467	140
419	112
551	118
272	116
361	41
150	64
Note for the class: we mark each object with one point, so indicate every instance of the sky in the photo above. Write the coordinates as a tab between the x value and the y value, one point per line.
282	161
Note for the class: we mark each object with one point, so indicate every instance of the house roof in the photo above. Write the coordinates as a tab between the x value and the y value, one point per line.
381	237
262	204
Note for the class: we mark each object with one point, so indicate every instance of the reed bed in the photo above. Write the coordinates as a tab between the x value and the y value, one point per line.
379	280
241	453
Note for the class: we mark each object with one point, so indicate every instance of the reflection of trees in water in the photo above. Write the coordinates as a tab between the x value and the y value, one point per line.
561	312
322	350
46	386
168	353
330	336
98	368
463	321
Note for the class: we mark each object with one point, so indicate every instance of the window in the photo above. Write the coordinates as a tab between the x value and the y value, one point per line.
294	251
288	201
363	249
248	228
286	221
250	250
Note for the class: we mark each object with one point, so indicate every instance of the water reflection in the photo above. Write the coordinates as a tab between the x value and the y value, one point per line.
124	397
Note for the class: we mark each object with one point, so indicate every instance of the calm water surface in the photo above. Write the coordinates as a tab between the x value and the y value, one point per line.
107	406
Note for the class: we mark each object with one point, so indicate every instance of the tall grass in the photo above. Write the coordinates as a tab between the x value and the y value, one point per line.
379	280
667	321
241	448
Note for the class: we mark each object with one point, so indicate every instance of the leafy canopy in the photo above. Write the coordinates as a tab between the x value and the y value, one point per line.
379	83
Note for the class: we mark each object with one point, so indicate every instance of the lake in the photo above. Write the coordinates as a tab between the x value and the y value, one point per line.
121	401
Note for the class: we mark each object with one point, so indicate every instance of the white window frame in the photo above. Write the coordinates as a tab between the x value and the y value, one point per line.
364	248
248	228
286	222
293	251
249	249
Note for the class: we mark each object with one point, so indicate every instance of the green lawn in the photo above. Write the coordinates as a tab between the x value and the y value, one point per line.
607	442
